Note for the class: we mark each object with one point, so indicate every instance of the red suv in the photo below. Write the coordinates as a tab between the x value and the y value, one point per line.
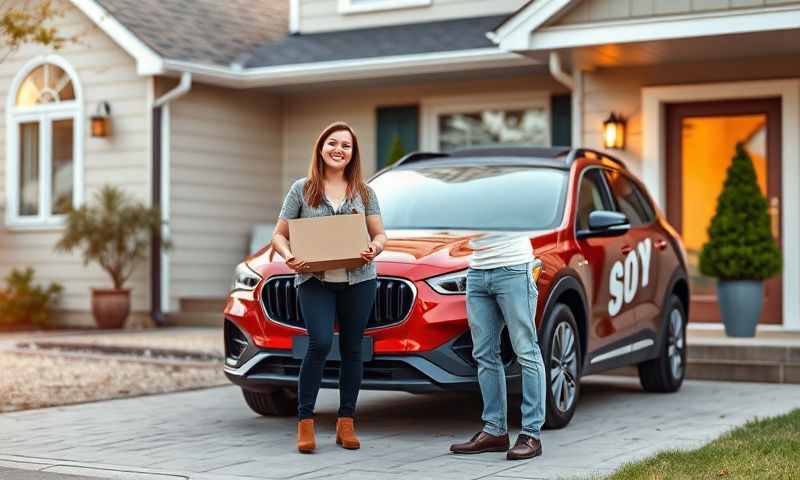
610	270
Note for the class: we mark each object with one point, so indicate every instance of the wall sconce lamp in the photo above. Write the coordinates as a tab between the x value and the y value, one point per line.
101	120
614	131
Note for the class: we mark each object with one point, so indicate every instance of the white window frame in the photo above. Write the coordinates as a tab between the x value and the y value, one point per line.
347	7
432	108
45	115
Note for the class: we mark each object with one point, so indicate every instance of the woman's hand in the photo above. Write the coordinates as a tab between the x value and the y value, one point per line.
375	248
296	264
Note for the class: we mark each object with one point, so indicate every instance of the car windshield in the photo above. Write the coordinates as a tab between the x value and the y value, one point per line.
483	197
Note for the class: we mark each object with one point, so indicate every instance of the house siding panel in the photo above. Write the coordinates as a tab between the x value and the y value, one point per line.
308	114
105	72
607	10
323	15
225	177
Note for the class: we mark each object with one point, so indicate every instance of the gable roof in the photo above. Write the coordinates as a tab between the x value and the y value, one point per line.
202	31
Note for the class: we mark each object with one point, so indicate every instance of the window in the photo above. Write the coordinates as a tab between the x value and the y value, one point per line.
358	6
508	120
590	198
630	200
44	146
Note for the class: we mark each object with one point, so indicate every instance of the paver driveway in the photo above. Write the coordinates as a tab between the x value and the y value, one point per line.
210	434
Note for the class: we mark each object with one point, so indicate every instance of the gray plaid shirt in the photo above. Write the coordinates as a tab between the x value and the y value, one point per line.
295	206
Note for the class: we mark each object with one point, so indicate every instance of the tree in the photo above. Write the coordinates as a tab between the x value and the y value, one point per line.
740	244
396	150
28	21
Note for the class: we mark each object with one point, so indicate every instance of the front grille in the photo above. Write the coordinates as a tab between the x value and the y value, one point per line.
235	341
393	301
373	369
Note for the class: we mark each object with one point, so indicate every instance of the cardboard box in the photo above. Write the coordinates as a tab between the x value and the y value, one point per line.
326	243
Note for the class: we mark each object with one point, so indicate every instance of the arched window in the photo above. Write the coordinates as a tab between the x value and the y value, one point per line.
44	143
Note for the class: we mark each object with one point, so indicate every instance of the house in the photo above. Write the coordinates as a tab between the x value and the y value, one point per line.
215	105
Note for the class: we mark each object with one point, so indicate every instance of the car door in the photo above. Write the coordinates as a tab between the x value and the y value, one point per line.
604	258
641	249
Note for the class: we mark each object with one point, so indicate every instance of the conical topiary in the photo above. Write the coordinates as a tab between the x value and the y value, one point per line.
740	244
396	150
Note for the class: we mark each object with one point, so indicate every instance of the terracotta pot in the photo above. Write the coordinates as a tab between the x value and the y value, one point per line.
111	307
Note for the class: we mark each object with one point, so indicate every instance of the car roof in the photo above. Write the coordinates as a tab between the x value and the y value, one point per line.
554	157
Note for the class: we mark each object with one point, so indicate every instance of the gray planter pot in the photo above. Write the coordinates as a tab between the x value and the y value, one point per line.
741	302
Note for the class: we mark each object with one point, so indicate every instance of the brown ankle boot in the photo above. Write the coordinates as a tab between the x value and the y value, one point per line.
305	436
346	434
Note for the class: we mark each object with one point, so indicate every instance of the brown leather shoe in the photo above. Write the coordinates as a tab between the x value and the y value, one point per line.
305	436
526	447
482	442
346	434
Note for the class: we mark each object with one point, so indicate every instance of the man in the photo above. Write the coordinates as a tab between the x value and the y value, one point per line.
501	292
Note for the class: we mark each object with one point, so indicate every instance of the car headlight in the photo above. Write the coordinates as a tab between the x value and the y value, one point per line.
450	284
244	278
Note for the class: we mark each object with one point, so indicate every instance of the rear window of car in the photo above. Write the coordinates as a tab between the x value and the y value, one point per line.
472	197
630	199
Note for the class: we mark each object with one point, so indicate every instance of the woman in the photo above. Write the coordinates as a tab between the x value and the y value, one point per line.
334	186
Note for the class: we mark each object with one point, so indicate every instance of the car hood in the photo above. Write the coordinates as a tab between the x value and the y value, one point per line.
446	249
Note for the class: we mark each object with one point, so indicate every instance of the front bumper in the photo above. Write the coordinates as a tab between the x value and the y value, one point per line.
444	369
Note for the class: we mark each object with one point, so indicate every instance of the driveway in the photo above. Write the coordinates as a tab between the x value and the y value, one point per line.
211	434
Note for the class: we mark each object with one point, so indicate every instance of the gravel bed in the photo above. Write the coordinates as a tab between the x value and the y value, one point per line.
36	381
205	340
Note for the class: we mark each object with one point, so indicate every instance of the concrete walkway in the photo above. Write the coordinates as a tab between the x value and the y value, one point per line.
211	434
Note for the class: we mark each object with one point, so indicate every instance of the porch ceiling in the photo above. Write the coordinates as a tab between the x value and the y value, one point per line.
710	48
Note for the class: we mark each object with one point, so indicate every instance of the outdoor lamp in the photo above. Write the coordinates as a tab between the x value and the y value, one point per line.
101	120
614	131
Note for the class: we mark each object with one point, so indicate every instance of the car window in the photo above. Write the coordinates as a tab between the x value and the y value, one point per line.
472	197
629	199
590	198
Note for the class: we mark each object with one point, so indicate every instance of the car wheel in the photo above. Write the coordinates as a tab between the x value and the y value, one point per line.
665	373
562	358
276	402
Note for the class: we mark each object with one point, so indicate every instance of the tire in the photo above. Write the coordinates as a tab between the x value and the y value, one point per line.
562	366
665	373
276	402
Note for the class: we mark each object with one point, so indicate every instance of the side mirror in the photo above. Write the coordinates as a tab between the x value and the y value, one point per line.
605	223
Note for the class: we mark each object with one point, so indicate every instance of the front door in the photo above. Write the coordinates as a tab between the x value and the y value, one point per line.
701	140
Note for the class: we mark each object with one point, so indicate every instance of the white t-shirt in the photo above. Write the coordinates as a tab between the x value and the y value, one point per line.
339	274
501	249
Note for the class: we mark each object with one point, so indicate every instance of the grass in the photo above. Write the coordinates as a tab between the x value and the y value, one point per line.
760	449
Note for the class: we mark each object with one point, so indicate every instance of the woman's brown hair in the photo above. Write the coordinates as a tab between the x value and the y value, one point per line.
314	188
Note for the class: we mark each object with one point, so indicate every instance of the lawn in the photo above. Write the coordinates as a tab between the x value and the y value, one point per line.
761	449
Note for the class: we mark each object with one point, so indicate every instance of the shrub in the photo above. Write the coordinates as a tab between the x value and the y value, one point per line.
22	302
114	231
396	150
740	244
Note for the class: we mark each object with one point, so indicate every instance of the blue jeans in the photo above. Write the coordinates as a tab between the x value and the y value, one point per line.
506	296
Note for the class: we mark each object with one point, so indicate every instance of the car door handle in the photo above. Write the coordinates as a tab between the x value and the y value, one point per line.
661	244
626	249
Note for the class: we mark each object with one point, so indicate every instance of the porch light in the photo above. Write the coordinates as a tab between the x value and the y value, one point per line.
614	131
101	120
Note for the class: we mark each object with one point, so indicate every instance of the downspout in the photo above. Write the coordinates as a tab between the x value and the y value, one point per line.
159	260
575	84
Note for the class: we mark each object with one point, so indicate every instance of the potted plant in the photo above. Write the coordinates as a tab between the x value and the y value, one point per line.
740	251
115	232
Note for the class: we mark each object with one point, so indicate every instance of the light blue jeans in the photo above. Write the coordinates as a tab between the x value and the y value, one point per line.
506	296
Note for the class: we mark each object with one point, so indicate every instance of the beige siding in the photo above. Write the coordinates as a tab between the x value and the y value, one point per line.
619	90
226	177
105	72
308	114
604	10
322	15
